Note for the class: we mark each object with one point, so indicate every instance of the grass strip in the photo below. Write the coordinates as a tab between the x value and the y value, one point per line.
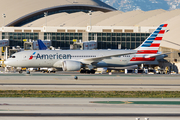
90	94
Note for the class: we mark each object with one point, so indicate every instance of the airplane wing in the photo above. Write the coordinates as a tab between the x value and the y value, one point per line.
98	59
150	56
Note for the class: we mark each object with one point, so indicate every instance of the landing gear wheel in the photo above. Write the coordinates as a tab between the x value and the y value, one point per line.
20	72
92	71
88	71
83	71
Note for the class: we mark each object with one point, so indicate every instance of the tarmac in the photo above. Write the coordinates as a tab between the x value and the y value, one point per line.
84	108
89	108
103	82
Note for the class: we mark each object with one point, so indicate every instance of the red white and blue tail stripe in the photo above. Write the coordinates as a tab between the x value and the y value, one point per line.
151	45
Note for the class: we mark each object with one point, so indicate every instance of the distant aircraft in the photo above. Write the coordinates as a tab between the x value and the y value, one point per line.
41	45
88	60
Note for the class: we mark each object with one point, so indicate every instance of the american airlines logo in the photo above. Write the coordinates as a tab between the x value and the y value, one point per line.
53	56
31	57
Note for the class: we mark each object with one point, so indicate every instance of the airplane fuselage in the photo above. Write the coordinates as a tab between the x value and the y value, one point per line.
48	58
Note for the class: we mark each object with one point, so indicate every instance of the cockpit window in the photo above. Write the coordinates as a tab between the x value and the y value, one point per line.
13	56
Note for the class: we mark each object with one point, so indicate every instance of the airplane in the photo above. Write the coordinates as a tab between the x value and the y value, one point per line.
86	61
41	45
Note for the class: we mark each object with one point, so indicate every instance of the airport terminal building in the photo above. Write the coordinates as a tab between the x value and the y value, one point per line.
61	21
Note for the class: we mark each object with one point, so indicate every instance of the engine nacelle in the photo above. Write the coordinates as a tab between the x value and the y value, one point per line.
71	65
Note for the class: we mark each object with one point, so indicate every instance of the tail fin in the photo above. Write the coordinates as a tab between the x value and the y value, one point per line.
152	43
41	45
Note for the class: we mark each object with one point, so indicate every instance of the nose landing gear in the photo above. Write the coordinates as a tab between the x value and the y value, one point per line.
20	72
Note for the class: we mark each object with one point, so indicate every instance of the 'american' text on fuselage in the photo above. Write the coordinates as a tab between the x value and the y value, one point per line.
53	56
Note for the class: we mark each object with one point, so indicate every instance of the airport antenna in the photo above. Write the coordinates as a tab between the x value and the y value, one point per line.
90	13
4	16
45	15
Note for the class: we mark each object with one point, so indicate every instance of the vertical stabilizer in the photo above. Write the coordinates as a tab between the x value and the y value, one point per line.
152	43
41	45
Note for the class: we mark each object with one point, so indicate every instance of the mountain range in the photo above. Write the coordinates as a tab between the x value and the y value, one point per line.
144	5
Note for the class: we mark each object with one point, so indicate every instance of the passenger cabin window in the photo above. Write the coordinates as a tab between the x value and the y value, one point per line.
13	56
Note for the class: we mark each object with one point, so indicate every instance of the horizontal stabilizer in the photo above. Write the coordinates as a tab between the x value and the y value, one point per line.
150	56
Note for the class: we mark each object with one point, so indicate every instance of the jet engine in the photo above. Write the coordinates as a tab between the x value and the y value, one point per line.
71	65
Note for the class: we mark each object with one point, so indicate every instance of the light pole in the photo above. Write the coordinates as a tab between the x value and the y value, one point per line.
4	16
90	13
45	15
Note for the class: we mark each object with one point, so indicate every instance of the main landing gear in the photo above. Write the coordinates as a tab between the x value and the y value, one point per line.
88	71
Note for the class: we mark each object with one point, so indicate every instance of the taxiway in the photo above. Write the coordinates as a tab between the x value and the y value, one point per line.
105	82
80	108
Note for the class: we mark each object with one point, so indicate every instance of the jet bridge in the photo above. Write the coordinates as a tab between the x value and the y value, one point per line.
89	45
4	43
34	45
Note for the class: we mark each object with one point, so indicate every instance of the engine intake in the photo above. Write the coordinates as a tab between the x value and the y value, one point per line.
71	65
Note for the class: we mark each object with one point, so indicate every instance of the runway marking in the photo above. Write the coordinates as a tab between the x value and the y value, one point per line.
9	110
89	114
73	84
127	102
139	102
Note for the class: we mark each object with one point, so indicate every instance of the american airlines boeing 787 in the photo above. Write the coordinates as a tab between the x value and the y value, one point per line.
88	60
